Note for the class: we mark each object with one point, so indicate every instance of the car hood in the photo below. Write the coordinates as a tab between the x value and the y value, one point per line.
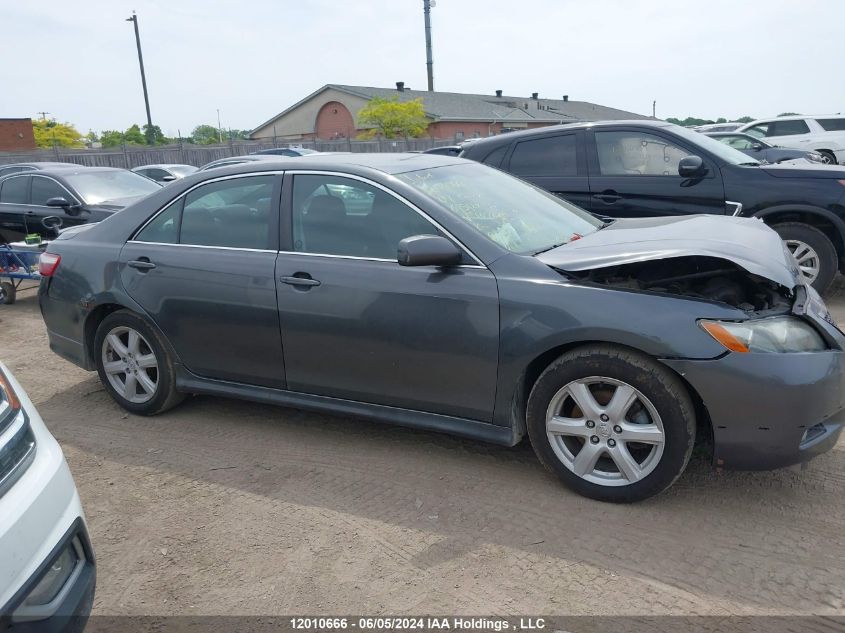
746	242
811	170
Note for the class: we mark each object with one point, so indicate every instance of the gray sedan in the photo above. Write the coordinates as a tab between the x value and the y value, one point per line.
453	297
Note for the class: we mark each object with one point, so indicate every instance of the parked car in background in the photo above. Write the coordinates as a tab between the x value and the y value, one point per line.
30	202
718	127
446	150
459	299
763	151
285	151
47	567
625	169
822	134
16	168
237	160
165	173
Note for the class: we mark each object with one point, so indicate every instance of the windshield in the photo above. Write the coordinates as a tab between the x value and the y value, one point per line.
509	211
102	186
728	154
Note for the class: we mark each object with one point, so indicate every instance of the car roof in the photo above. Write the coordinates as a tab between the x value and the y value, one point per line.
387	163
733	133
65	171
42	165
551	129
161	166
796	117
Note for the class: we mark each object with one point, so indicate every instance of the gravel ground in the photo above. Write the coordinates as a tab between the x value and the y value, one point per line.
227	507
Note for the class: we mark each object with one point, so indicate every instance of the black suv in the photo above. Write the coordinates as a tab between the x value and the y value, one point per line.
623	169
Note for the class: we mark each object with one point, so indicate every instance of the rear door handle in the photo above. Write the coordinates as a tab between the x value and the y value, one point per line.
299	281
141	264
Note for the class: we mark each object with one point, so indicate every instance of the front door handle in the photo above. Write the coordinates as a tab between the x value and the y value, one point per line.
142	264
296	280
607	196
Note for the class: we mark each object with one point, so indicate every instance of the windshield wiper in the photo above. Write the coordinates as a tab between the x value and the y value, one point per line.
553	246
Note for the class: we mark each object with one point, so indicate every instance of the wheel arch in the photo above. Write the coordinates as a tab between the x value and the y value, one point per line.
95	318
533	370
826	221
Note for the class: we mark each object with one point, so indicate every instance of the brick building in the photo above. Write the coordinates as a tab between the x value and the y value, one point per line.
16	135
331	113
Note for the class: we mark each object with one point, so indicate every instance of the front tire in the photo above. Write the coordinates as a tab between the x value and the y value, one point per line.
828	157
134	365
611	423
813	250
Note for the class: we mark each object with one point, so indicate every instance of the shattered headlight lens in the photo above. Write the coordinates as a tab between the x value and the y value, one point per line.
783	334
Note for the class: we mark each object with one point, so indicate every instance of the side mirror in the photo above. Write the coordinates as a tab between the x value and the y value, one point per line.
427	250
691	166
756	147
70	209
58	202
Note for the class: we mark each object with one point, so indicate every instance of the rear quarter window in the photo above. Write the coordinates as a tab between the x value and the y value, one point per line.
832	125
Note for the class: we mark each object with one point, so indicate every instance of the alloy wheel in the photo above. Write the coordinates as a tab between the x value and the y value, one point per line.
605	431
807	258
130	364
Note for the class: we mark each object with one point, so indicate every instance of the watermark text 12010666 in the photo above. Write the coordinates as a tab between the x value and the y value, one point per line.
416	623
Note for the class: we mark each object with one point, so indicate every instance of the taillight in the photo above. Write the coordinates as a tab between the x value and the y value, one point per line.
48	263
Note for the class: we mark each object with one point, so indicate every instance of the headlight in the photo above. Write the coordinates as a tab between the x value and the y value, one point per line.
773	335
814	157
10	406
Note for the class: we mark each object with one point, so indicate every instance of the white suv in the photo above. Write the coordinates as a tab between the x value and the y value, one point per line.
823	134
47	569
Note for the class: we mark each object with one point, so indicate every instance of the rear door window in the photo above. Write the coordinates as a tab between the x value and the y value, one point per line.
787	128
15	190
550	156
234	213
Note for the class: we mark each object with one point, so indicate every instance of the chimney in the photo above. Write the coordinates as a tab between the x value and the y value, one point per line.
566	97
498	93
534	95
400	86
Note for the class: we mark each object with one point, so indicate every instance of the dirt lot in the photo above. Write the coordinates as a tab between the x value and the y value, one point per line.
227	507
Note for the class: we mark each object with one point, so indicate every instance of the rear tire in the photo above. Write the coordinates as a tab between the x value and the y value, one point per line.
134	364
632	416
816	254
8	293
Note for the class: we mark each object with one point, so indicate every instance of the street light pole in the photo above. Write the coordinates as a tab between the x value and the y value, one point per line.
219	129
429	62
150	132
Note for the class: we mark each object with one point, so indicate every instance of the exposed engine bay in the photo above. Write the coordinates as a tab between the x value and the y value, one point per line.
707	278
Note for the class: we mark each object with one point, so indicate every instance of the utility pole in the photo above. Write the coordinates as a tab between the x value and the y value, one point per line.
150	132
219	129
654	108
429	63
43	115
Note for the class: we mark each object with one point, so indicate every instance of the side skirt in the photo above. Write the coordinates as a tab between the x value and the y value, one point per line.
472	429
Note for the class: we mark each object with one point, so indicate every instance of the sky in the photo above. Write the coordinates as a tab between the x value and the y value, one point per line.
76	59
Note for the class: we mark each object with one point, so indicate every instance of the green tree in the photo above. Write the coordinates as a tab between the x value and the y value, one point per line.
158	136
50	133
746	119
111	138
205	135
133	135
393	119
790	114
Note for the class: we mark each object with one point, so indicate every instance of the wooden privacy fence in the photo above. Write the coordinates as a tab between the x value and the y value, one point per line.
130	156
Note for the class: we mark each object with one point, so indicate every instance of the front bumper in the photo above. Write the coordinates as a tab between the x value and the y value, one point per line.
40	514
770	410
69	611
